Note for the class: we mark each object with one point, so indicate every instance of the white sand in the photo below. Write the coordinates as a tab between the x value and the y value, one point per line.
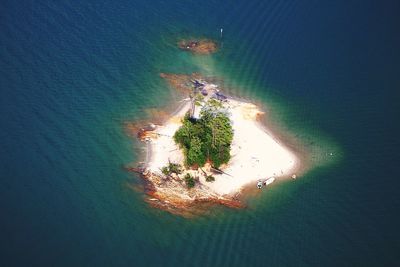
256	154
164	148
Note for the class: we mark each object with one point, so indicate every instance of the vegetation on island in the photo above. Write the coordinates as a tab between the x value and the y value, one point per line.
189	180
210	178
171	168
208	138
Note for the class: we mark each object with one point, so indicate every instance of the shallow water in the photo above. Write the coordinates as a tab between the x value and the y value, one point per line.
73	73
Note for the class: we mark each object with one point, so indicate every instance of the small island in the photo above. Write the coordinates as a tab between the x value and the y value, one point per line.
198	46
210	149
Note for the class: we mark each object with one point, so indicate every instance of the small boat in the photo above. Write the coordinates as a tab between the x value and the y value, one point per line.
269	181
259	184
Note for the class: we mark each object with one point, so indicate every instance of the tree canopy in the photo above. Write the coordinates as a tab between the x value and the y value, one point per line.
208	138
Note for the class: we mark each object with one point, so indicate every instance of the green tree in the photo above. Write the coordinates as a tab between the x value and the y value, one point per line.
195	154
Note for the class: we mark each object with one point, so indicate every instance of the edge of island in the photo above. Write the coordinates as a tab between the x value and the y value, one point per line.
256	155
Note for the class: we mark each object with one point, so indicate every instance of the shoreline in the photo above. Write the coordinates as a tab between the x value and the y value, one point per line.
282	137
175	112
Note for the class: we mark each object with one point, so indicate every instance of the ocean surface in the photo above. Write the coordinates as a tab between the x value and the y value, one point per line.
72	73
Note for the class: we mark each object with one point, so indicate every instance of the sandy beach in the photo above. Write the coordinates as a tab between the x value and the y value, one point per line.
256	153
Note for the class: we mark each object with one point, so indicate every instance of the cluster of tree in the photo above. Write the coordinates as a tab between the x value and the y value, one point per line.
208	138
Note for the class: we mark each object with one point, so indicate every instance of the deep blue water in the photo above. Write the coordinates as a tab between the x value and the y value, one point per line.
71	75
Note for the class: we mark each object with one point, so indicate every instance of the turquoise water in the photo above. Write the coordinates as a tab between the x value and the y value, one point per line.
73	73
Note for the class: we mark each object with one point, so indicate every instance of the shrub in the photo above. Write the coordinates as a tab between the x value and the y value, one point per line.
165	170
171	168
175	168
210	178
189	180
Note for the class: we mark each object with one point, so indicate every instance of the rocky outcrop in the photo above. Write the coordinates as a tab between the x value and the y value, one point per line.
198	46
171	194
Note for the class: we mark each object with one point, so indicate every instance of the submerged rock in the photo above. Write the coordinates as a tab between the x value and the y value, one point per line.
198	46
